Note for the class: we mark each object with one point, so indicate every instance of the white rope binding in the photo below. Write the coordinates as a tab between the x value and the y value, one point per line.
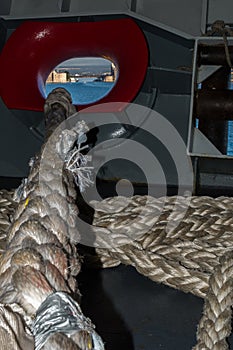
76	163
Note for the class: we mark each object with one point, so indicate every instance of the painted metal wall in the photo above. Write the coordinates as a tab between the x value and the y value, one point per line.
185	15
188	16
35	8
220	10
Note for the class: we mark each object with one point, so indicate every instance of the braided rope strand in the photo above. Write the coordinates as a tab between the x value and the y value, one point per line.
215	324
41	255
196	258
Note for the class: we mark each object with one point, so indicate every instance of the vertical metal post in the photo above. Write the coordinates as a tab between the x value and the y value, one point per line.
133	5
65	7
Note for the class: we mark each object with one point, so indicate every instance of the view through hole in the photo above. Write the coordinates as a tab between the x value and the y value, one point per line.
88	79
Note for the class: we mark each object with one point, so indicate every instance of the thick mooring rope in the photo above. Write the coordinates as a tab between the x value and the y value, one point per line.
196	257
183	258
41	256
215	325
40	259
7	208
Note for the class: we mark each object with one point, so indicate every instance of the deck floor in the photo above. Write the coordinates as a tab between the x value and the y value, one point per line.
133	313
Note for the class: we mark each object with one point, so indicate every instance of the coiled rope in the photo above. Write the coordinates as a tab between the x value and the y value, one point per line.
196	256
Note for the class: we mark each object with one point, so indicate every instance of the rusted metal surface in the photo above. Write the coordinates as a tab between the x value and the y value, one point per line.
214	105
214	55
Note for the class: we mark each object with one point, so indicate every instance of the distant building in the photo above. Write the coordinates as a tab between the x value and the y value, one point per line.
114	71
55	77
109	78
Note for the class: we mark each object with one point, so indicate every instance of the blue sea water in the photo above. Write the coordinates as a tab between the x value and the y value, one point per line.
83	92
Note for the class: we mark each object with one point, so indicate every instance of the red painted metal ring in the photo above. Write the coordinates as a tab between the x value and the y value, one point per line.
35	48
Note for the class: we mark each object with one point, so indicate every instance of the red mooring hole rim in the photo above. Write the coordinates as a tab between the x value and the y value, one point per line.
35	48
